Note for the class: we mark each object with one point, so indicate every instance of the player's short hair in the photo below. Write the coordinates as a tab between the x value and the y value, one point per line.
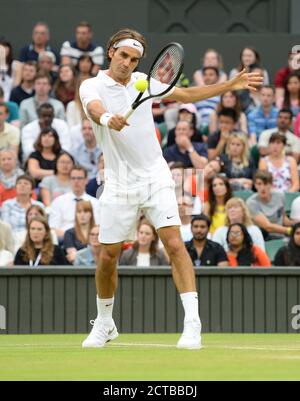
125	33
265	176
201	217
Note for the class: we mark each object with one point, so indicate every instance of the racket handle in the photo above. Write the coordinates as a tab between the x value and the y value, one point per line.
128	114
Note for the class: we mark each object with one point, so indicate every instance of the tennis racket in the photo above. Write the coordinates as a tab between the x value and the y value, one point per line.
166	68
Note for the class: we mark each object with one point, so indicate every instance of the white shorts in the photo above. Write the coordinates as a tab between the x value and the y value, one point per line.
119	212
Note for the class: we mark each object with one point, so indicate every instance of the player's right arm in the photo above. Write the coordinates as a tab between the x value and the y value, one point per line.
94	108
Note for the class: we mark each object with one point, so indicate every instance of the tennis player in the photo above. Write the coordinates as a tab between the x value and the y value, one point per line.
137	178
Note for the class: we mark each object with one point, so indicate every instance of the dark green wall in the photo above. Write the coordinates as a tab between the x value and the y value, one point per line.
226	25
63	300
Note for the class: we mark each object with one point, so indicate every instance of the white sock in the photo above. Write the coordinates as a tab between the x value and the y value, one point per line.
105	309
190	305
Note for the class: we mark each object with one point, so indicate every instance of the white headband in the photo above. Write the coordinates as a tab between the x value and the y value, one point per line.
130	43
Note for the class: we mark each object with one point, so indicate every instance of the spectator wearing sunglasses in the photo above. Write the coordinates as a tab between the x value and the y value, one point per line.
87	153
242	252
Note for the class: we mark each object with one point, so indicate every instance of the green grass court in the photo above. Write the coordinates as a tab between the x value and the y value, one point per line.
150	357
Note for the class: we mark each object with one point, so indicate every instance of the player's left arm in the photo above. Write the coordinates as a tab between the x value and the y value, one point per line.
241	81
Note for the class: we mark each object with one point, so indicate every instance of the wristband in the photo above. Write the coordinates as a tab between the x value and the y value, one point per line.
289	230
105	118
191	149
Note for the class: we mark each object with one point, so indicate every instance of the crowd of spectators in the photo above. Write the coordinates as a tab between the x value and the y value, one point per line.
233	159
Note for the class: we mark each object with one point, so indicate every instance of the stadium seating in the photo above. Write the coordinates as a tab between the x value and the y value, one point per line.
289	197
272	247
243	194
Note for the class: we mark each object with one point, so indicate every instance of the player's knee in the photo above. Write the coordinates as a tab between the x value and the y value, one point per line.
109	256
174	246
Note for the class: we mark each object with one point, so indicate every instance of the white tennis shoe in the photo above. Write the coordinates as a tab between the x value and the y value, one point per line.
101	334
191	336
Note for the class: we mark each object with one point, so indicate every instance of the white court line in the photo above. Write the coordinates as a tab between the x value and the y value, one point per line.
250	348
152	345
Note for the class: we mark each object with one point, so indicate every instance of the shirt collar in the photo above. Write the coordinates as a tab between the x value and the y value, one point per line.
111	82
77	197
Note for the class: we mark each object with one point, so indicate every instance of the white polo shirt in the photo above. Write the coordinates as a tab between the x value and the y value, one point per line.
133	156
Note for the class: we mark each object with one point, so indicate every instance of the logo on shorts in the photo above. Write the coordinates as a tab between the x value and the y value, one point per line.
170	217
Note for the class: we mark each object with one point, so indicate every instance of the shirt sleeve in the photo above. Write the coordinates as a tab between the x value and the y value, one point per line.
157	87
88	93
69	239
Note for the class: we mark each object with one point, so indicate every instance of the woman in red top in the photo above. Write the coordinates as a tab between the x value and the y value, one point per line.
242	252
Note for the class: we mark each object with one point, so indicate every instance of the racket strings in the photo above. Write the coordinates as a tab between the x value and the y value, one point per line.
168	66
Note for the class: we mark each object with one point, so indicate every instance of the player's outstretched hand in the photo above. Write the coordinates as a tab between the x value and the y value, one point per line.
117	122
244	80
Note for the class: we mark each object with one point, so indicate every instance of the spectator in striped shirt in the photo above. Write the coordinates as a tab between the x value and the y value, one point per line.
72	51
207	106
263	117
14	210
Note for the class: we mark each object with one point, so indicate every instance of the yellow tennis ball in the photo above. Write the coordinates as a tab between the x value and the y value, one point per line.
141	85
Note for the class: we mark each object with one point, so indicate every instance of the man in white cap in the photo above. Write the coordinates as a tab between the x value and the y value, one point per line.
137	177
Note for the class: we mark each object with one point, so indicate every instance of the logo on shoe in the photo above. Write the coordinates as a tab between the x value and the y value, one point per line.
111	331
